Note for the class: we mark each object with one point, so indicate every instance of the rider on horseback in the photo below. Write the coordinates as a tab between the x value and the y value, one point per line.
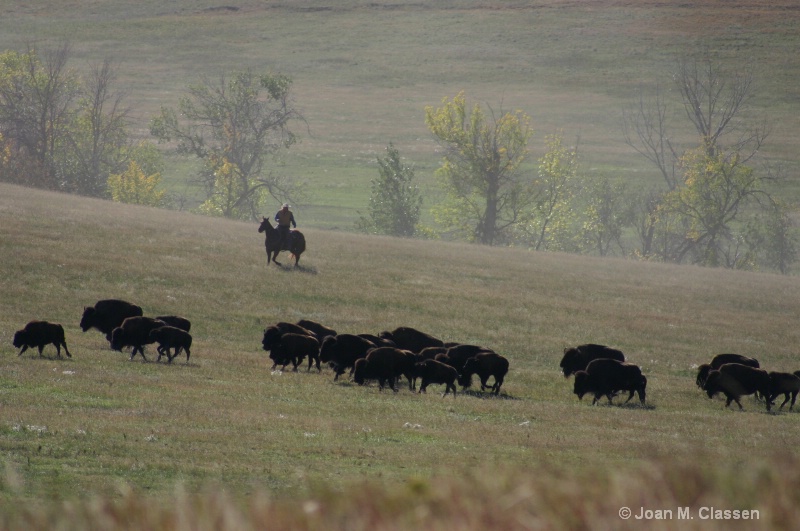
285	220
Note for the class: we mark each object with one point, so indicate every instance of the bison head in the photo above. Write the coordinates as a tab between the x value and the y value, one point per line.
570	362
87	320
581	386
20	338
360	371
702	374
272	336
326	349
711	385
117	339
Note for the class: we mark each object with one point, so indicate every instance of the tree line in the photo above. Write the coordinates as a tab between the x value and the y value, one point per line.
714	203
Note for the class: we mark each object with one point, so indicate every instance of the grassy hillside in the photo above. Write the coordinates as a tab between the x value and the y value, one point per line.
151	434
364	71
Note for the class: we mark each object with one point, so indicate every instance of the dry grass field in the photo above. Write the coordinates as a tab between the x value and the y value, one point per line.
223	442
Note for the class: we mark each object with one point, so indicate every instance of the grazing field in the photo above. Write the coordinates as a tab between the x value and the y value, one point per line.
224	443
364	71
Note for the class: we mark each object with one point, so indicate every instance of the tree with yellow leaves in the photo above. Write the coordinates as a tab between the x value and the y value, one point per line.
134	187
487	192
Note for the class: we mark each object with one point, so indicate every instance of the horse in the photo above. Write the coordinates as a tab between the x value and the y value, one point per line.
273	244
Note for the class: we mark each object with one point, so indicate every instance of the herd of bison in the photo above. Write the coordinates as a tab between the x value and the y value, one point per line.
406	352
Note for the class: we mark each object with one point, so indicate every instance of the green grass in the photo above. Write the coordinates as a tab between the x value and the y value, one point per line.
364	71
97	426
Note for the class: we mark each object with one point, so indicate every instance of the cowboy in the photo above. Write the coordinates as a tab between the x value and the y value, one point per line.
285	219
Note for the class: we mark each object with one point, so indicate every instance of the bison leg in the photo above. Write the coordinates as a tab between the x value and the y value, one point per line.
41	348
64	344
786	397
23	349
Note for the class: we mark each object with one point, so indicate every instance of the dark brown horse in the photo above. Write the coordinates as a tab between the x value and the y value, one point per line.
272	242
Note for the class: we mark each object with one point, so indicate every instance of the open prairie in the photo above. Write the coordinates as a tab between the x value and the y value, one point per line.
365	71
99	425
223	442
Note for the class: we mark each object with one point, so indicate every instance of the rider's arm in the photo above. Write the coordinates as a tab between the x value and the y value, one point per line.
293	222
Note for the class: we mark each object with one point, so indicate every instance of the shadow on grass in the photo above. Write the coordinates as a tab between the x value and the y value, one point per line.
297	268
487	395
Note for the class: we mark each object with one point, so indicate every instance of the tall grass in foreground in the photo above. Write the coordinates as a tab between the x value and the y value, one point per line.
659	494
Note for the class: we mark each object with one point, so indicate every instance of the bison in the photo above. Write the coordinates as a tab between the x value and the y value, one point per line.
735	380
108	314
486	364
718	361
578	358
342	351
431	371
384	364
457	355
38	334
407	338
171	337
606	376
785	383
135	332
293	348
273	333
319	331
177	321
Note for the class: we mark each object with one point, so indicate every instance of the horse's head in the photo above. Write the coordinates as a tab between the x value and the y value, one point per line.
265	225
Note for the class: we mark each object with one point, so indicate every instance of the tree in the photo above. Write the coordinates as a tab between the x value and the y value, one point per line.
608	213
62	132
480	171
713	192
235	126
36	98
134	187
99	136
548	224
395	203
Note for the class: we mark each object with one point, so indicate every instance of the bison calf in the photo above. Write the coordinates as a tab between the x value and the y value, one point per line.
294	348
435	372
38	334
485	365
785	383
171	337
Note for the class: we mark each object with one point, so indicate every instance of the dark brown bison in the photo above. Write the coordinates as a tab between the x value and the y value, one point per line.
319	330
457	355
294	348
786	384
108	314
718	361
171	337
435	372
577	358
606	377
177	321
407	338
41	333
384	364
735	380
135	332
485	365
273	333
342	351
